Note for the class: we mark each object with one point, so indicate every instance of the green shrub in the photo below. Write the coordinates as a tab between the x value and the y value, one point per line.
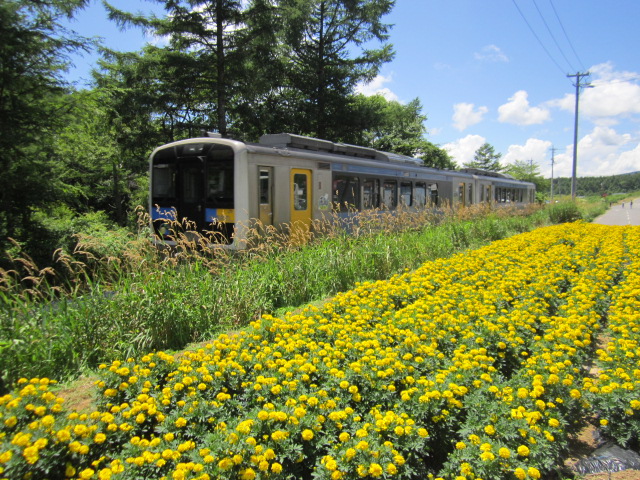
564	212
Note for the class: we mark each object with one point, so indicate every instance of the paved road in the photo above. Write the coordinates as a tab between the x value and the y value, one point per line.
621	215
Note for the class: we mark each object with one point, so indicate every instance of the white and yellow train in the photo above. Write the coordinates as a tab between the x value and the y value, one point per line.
224	185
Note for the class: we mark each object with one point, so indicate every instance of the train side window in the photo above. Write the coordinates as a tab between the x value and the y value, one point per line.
299	191
405	194
390	194
470	194
345	192
420	195
370	193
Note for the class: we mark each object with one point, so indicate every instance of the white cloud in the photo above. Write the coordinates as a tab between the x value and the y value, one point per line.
375	87
465	116
463	149
491	53
533	149
614	94
602	152
519	112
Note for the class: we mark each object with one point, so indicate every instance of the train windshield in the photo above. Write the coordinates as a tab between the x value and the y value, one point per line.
195	180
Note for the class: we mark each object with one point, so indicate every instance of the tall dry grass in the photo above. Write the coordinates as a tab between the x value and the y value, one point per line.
95	307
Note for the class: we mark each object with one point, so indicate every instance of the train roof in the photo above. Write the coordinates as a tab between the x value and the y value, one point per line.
289	140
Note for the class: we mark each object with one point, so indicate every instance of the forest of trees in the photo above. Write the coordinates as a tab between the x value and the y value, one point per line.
77	158
629	182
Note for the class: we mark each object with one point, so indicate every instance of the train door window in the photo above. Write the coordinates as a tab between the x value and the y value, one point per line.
405	194
481	193
461	193
192	183
470	193
433	194
265	191
420	195
370	193
345	192
300	189
390	194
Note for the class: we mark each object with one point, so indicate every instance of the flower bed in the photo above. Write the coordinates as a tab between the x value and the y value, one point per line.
470	367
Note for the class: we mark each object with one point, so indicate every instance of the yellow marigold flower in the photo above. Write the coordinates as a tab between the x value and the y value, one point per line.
533	472
375	470
247	474
99	438
391	469
276	467
604	422
504	452
489	429
86	473
487	456
523	451
180	422
461	445
69	471
520	473
11	421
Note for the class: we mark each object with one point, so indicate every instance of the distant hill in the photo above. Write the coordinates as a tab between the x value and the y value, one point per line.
626	182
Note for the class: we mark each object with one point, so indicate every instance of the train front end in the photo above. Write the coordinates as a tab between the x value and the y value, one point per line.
192	190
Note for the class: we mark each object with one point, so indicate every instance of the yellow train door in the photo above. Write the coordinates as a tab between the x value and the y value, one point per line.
300	205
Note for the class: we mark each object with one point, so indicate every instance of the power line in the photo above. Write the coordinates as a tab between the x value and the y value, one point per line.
565	34
537	38
552	35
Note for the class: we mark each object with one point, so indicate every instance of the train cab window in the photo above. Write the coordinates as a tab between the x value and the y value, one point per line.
345	192
164	181
389	194
370	193
300	191
405	194
420	195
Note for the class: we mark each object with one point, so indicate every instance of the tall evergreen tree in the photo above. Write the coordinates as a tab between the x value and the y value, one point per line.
33	53
327	42
486	158
207	33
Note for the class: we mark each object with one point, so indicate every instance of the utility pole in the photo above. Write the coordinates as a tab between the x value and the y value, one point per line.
553	161
578	77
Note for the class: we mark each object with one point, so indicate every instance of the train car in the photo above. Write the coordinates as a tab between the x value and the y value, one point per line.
224	186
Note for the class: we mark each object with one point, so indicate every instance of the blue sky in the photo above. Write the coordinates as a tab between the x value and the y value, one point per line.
496	71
